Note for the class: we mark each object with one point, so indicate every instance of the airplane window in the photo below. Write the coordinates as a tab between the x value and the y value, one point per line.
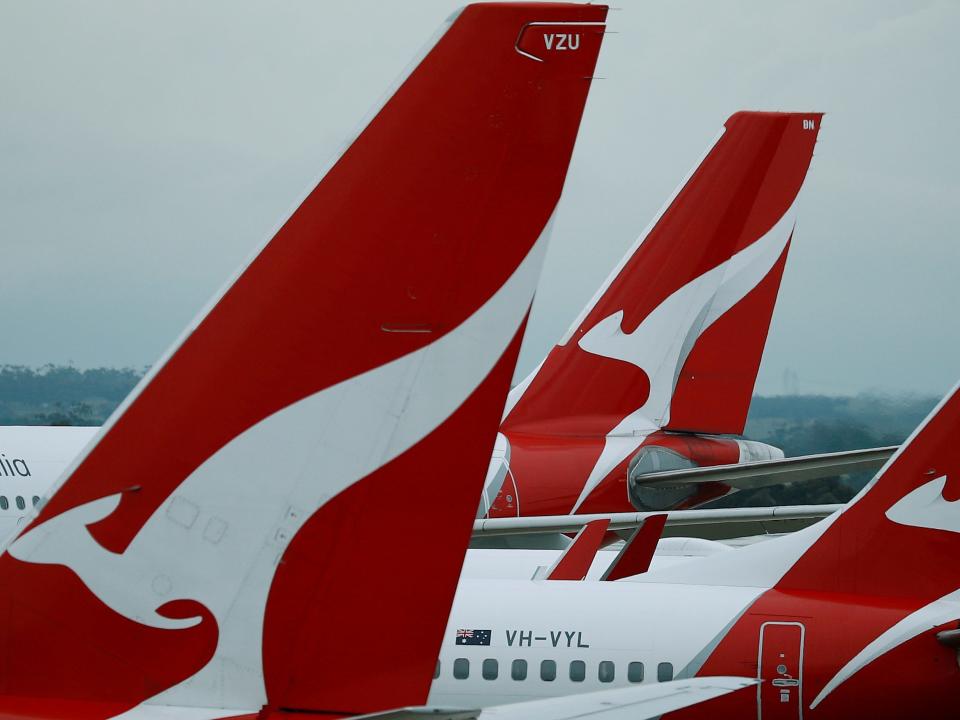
4	503
548	670
606	671
36	500
20	503
664	672
490	669
518	671
578	670
436	671
461	668
635	672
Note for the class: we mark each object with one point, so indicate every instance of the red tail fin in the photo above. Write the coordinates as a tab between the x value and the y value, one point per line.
674	337
894	545
222	542
906	517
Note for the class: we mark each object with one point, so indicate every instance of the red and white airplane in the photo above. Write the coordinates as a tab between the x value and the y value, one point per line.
653	381
856	616
218	549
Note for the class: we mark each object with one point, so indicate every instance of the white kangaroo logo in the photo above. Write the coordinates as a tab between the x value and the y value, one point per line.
661	343
926	507
217	540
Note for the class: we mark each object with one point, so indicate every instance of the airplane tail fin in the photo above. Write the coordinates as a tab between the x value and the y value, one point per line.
893	546
673	338
908	516
229	540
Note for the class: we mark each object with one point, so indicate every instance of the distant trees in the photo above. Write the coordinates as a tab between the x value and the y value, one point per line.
810	424
844	421
61	395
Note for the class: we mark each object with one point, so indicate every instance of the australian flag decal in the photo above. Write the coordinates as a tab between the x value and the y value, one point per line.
473	637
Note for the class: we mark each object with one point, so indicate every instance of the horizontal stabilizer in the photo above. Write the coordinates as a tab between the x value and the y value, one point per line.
746	476
637	552
710	524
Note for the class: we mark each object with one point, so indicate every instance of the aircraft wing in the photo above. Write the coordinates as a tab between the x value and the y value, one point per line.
716	524
639	702
745	476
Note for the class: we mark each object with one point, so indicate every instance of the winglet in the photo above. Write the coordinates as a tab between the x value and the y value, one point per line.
575	561
637	552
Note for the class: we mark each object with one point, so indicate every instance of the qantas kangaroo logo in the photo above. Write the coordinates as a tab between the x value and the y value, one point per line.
661	343
73	546
206	543
926	507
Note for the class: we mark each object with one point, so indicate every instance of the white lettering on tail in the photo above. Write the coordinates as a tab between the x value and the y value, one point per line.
563	41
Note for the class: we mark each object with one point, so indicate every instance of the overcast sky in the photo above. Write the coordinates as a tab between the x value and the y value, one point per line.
147	147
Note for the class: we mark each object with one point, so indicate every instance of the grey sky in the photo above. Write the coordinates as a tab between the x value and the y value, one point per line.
147	147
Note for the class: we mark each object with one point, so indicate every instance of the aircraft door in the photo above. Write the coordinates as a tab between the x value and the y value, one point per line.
780	671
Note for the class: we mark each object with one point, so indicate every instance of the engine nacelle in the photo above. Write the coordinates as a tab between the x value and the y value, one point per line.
662	452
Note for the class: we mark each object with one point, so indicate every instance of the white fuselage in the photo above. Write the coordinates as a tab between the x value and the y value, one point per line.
597	631
31	461
669	619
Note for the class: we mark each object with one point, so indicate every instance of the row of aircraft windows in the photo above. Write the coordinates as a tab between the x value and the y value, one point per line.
606	670
21	503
